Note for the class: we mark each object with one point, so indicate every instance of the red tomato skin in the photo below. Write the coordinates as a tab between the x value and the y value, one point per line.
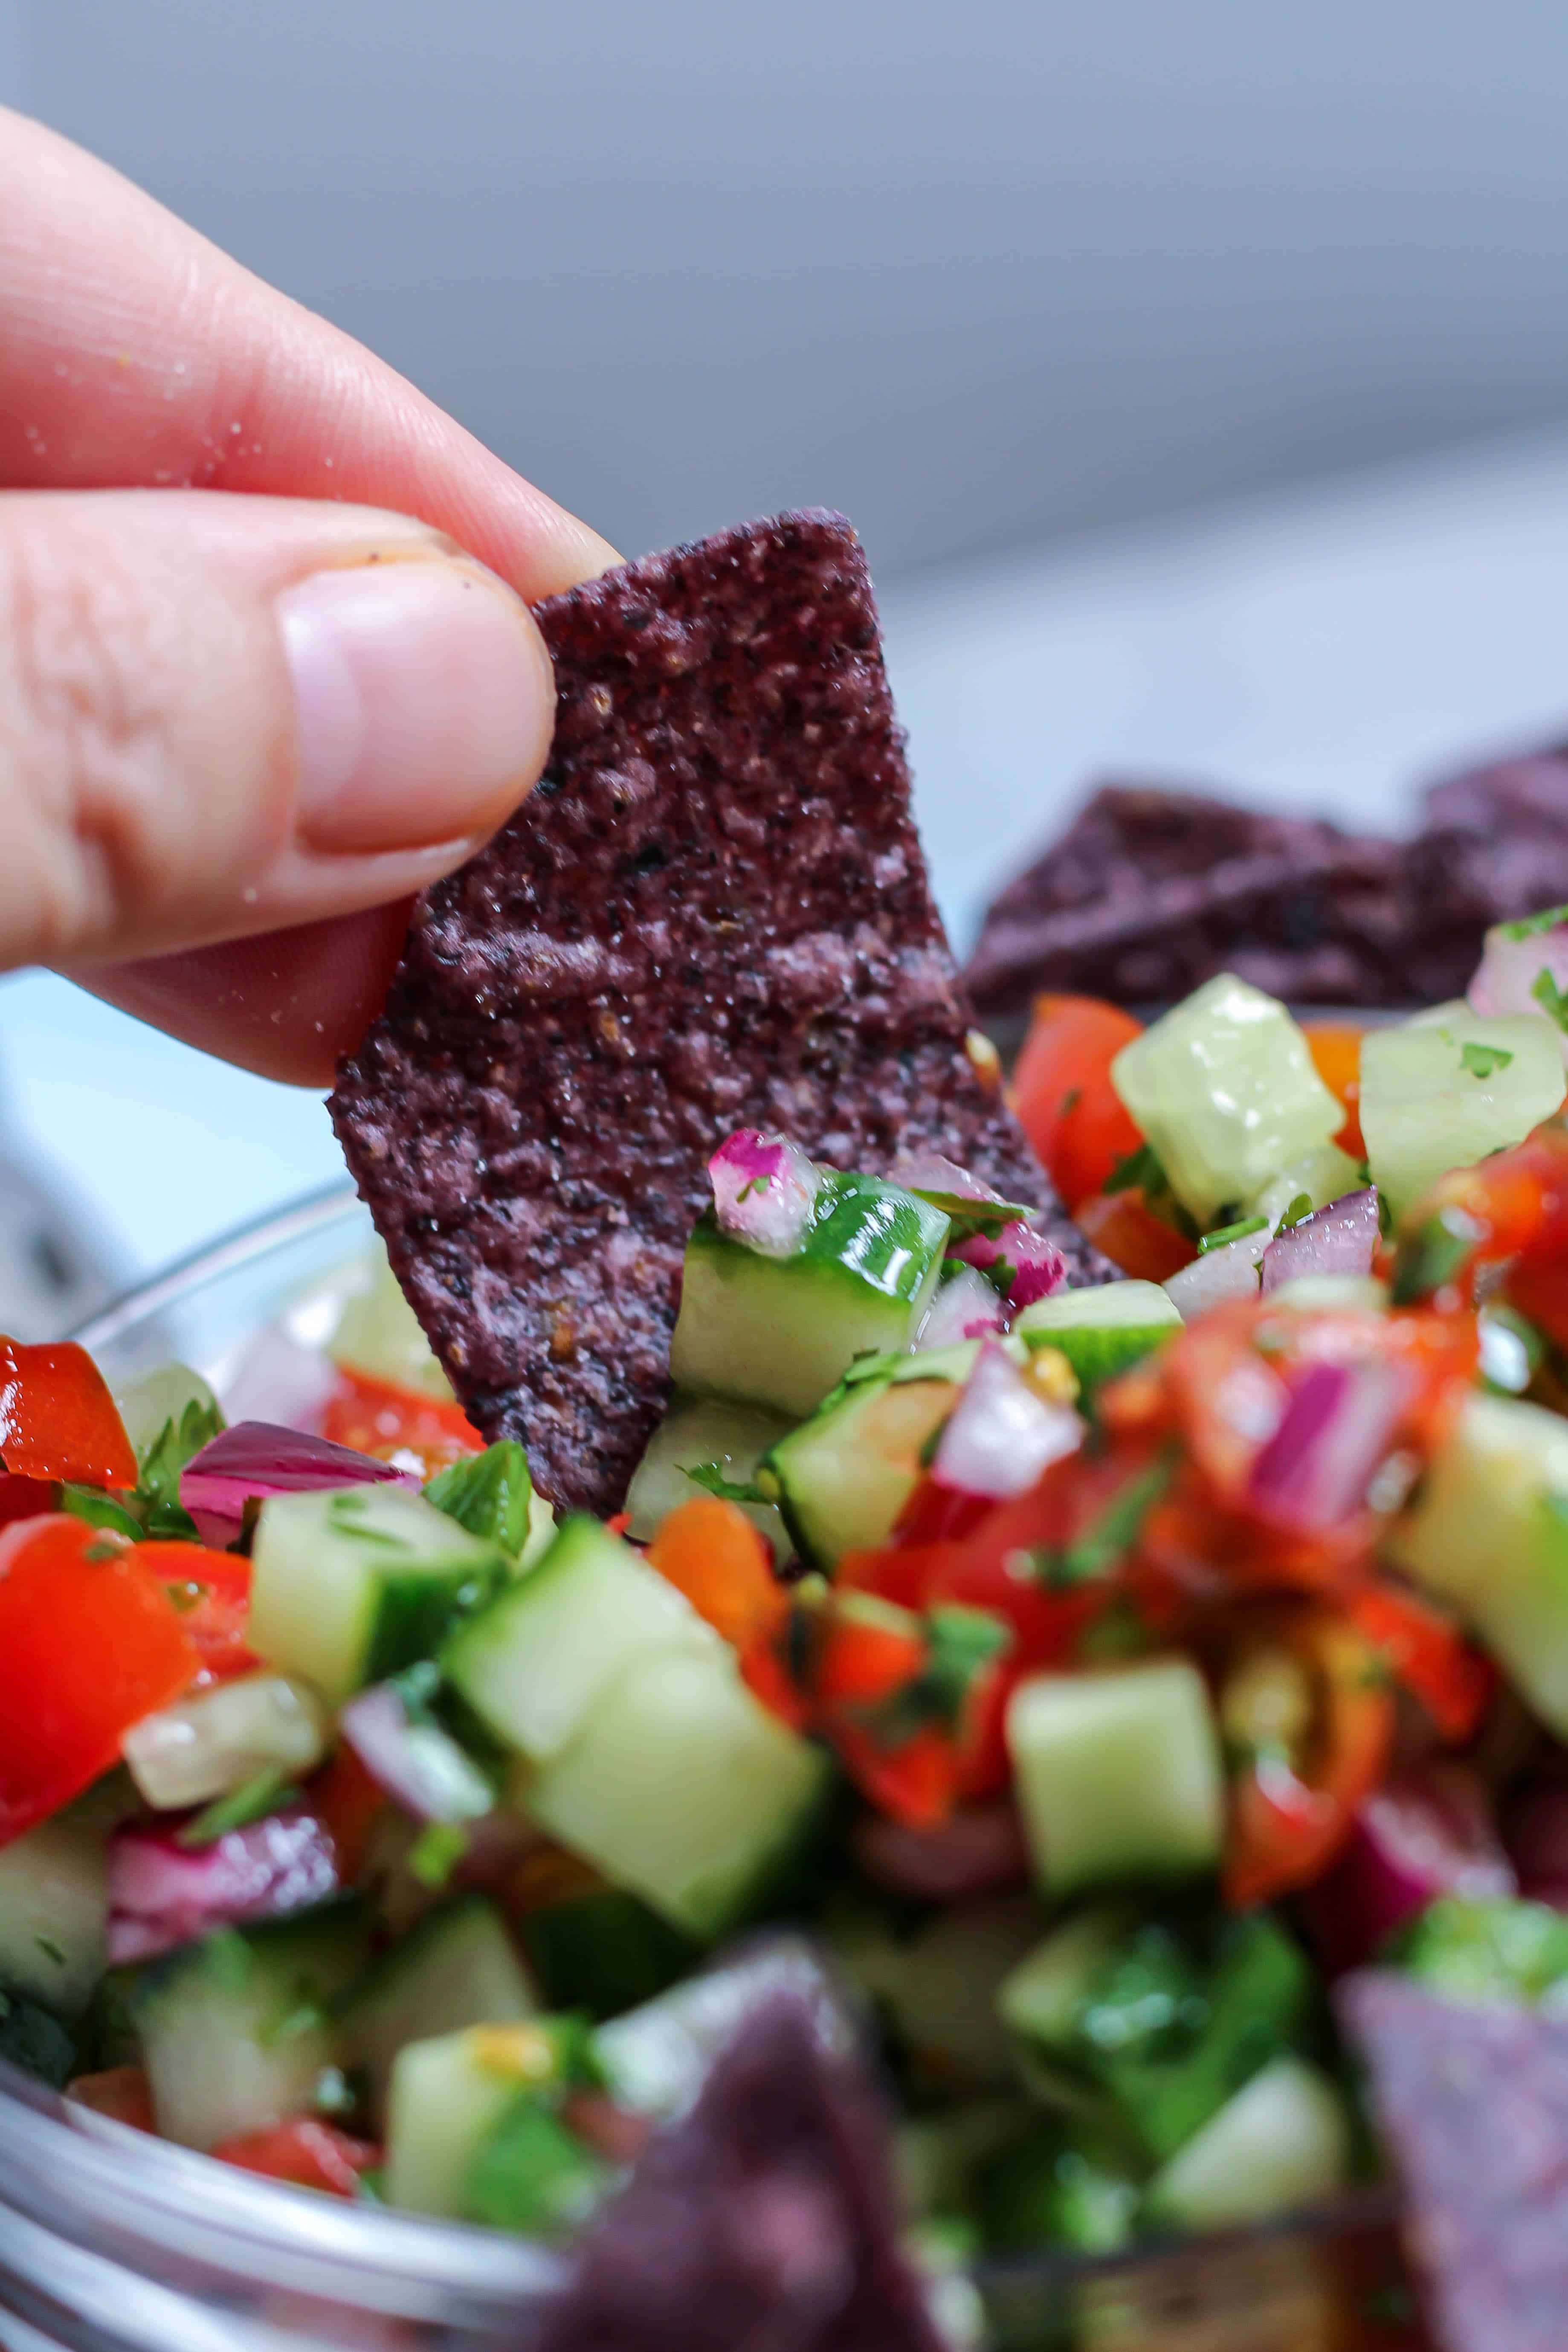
1063	1095
89	1642
393	1423
304	2152
212	1591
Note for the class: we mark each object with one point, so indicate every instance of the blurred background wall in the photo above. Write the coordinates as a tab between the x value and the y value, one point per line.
978	274
1196	375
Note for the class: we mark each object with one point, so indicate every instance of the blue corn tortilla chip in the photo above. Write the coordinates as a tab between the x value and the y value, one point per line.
1472	2104
765	2217
711	913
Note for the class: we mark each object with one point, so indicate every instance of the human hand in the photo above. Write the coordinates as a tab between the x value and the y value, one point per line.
237	733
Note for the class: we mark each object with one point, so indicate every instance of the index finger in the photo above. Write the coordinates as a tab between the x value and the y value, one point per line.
135	354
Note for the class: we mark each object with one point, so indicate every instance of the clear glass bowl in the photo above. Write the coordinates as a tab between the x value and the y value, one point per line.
112	2242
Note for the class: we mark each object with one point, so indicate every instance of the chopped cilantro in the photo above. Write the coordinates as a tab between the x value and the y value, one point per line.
1140	1169
1530	926
1236	1232
1482	1060
156	1502
1105	1541
1299	1208
488	1494
1552	999
263	1794
1432	1256
437	1852
710	1478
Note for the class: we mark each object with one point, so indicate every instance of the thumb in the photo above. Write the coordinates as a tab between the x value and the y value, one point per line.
226	715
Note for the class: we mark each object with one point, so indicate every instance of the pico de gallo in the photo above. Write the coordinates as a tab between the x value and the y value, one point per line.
1096	1673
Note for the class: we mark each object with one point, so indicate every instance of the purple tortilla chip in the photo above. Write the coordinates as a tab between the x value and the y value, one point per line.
763	2222
711	913
1471	2100
1151	892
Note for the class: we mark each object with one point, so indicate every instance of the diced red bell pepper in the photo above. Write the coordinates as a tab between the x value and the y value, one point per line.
1063	1095
1426	1653
58	1418
1285	1826
305	2152
394	1425
89	1642
211	1589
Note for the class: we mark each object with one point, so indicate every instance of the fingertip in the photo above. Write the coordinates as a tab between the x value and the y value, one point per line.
286	1004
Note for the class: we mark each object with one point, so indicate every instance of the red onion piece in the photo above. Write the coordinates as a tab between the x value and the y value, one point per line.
1039	1268
1229	1272
978	1851
256	1458
420	1766
1427	1831
160	1895
1340	1239
1339	1425
965	1307
1504	981
764	1188
1000	1435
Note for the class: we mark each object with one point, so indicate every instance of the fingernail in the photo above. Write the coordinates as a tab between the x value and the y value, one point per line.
424	698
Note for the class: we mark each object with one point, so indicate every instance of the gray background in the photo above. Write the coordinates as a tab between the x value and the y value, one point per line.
977	273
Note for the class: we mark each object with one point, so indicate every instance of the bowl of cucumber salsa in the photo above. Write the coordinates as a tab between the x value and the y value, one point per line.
1048	1704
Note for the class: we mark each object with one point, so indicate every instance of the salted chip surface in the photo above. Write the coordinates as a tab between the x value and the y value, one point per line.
1471	2103
712	912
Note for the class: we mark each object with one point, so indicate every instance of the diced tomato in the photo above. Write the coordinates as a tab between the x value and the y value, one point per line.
768	1679
58	1418
1426	1653
1287	1825
867	1648
305	2152
89	1642
25	1498
212	1591
122	2092
709	1550
915	1782
1123	1225
418	1433
1336	1057
1063	1095
344	1796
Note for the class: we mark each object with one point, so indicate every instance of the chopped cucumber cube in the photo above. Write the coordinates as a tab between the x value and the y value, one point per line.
1225	1090
1283	2141
845	1474
458	1968
681	1787
695	1431
54	1903
1323	1174
1118	1774
349	1585
534	1662
235	2030
1441	1096
1101	1331
216	1739
1488	1534
778	1332
1043	1998
448	2094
